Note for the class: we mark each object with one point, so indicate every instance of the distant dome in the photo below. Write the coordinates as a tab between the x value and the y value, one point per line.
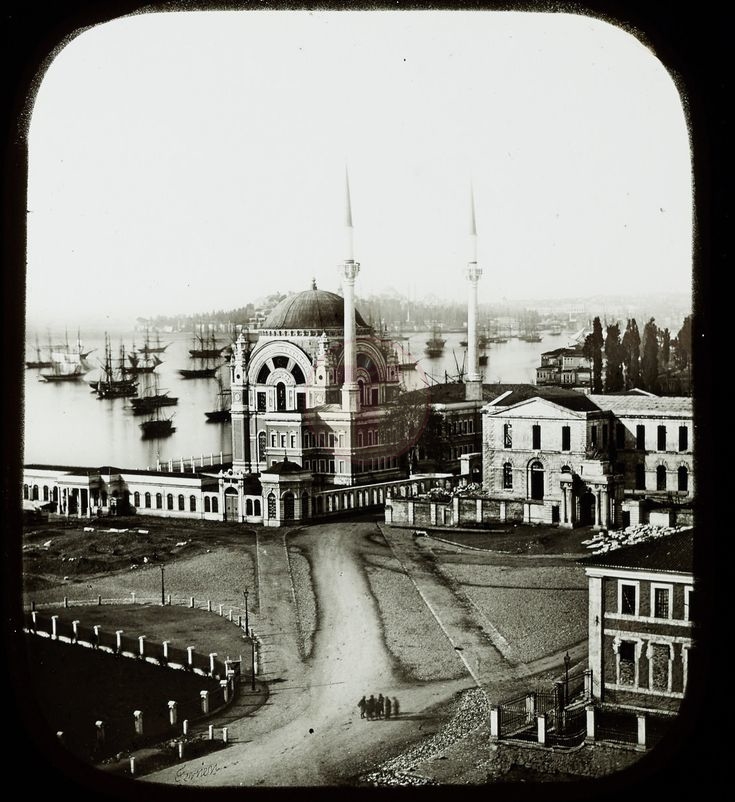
311	309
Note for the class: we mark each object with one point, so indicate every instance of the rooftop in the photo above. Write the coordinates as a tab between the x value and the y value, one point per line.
670	553
636	404
311	309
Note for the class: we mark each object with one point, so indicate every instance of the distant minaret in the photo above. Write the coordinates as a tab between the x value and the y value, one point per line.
473	382
348	273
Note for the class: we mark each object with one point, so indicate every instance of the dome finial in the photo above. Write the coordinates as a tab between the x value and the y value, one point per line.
313	284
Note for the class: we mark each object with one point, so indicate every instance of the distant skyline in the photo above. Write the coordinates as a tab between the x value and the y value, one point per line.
188	161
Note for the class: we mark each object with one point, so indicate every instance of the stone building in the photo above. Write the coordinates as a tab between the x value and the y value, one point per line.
565	367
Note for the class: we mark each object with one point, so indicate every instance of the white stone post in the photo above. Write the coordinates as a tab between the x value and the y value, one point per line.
100	731
118	640
224	735
212	655
132	596
530	706
191	602
209	605
173	712
494	722
210	732
185	726
138	718
96	630
75	630
165	649
54	619
541	728
225	685
141	645
181	749
132	764
220	609
205	701
190	655
230	616
641	730
590	716
34	621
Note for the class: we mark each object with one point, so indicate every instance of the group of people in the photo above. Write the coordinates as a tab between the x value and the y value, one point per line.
382	707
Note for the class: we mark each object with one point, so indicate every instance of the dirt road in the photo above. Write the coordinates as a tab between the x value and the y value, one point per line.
310	732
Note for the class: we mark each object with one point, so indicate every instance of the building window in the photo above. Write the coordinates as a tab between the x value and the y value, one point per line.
566	438
626	663
103	496
293	441
508	435
25	492
370	438
683	438
331	440
640	437
261	446
147	500
507	476
536	436
271	505
207	504
619	435
331	466
300	401
471	427
248	507
682	479
661	601
537	481
659	666
288	507
359	439
215	504
136	499
169	501
45	493
261	402
159	501
640	476
628	598
256	507
182	503
341	466
322	440
280	397
593	436
274	441
322	466
283	441
661	438
661	477
263	374
192	503
307	465
688	603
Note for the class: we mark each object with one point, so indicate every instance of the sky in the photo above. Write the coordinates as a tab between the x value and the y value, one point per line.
182	162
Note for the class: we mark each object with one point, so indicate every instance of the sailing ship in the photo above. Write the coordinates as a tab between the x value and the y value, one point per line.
205	347
221	412
63	372
149	348
141	362
204	372
151	399
157	425
529	330
495	334
38	362
112	382
434	346
482	359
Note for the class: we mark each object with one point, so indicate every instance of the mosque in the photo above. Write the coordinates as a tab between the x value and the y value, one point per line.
320	426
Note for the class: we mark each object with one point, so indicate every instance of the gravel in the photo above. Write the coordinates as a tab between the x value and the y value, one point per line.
472	712
306	606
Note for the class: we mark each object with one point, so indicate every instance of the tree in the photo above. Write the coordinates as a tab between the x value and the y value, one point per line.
405	421
684	343
632	354
614	354
593	351
665	349
649	358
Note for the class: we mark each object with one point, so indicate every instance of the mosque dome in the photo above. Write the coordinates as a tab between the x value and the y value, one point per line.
311	309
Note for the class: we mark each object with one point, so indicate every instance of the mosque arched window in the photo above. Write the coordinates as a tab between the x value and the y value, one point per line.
263	374
298	375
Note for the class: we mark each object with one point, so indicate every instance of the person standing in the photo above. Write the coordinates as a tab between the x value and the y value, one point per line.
396	708
379	709
370	706
387	707
362	704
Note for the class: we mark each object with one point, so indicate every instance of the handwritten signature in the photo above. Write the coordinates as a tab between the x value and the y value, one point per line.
184	775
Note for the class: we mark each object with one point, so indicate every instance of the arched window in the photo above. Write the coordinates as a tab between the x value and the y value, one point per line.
182	503
359	439
298	375
147	498
288	507
192	503
169	501
263	374
262	441
25	492
370	437
271	505
207	504
507	476
508	435
34	496
136	499
248	506
103	497
215	504
159	501
661	477
683	479
537	481
281	397
256	507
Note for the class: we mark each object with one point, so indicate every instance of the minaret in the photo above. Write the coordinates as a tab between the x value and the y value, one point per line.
348	273
473	382
240	404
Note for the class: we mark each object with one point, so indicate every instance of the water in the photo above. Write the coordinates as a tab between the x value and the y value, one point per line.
66	424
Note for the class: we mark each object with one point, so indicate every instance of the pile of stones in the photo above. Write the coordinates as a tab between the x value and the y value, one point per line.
605	540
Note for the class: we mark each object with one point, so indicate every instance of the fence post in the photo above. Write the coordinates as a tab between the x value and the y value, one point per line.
210	733
530	706
172	713
33	606
99	600
165	650
212	655
560	699
96	630
230	616
205	701
75	631
100	731
132	764
541	728
225	685
34	624
588	683
191	602
209	605
590	715
54	619
138	718
494	723
141	645
190	655
66	601
118	638
181	749
224	735
132	595
168	599
641	731
185	726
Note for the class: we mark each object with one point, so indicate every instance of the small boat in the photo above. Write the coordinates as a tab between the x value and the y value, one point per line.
221	412
435	346
62	372
530	337
199	373
157	425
